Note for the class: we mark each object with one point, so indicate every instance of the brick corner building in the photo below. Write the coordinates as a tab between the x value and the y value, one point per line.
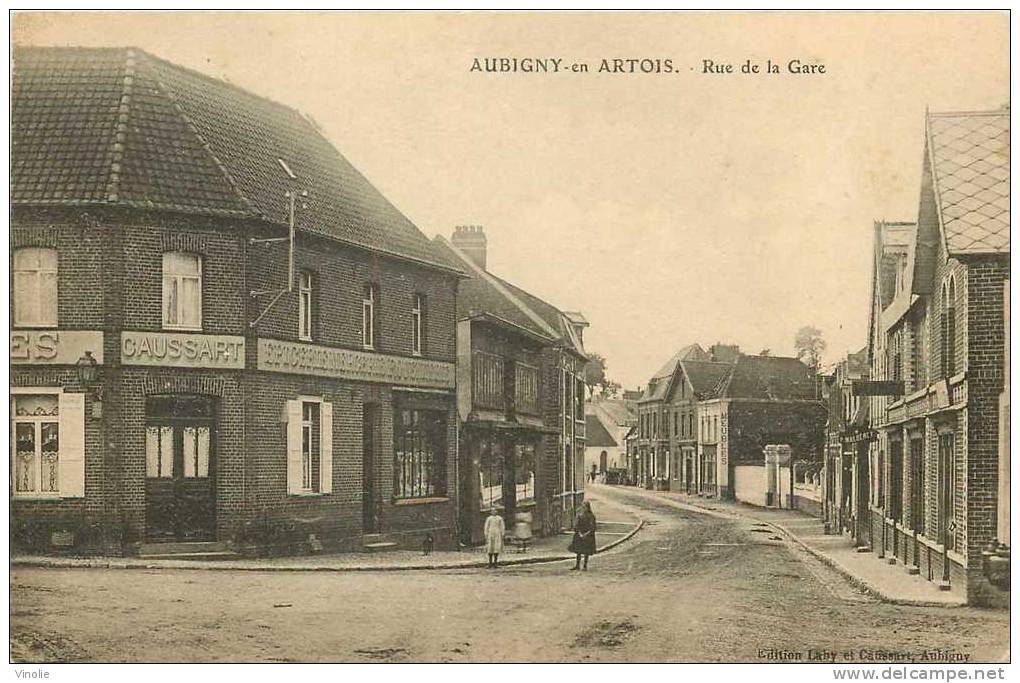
222	334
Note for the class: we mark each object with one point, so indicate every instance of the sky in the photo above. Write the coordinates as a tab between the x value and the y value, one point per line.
669	208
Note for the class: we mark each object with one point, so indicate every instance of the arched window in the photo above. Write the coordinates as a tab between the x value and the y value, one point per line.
35	287
182	291
949	328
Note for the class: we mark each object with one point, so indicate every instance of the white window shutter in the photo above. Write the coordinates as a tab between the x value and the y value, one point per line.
326	448
294	468
71	462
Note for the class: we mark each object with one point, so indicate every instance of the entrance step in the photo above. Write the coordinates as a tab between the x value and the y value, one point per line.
186	550
377	543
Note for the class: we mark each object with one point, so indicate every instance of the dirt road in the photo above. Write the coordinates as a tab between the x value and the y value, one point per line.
686	588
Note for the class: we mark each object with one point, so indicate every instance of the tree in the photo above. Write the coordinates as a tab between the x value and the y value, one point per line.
809	346
610	389
594	372
595	377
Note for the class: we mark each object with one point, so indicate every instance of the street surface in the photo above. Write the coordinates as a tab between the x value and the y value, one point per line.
686	588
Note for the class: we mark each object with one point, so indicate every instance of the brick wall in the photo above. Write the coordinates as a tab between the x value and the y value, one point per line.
985	376
109	269
339	278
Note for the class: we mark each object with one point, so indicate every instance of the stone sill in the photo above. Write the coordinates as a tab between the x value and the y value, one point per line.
420	501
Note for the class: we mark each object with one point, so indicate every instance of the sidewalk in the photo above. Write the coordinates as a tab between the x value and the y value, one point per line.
615	526
891	583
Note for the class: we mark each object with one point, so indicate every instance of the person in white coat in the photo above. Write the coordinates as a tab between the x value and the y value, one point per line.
495	528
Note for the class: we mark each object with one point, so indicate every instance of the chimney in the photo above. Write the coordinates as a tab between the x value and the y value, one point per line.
471	240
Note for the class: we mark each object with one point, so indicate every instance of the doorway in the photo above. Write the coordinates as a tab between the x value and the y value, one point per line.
180	481
369	450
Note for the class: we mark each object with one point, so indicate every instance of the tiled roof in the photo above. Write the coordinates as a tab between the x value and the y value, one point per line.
768	377
483	294
970	155
596	434
689	351
704	376
121	127
551	315
617	411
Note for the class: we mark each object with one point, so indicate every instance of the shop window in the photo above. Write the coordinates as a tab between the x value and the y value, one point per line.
419	447
182	291
368	316
947	484
524	479
490	474
305	306
417	326
896	479
917	484
35	287
880	480
49	444
309	446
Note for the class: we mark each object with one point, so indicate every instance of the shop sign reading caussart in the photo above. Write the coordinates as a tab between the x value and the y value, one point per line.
54	347
359	366
182	350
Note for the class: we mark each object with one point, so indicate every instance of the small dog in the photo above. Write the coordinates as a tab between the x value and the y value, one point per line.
427	543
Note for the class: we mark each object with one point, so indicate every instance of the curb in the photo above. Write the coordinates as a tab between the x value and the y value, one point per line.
67	563
853	578
857	580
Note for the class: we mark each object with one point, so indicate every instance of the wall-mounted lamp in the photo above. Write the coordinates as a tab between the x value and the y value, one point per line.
88	373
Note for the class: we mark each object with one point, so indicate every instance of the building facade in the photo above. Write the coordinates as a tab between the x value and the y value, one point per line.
937	337
608	420
221	332
655	457
520	398
845	475
763	402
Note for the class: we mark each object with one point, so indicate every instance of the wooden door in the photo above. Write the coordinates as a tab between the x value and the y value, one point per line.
180	469
369	446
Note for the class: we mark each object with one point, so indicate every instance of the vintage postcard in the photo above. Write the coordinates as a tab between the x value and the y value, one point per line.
511	337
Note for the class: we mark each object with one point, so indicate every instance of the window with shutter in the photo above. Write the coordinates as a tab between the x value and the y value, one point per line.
294	474
326	447
309	446
48	443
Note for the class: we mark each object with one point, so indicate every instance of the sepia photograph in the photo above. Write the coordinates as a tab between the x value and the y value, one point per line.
510	337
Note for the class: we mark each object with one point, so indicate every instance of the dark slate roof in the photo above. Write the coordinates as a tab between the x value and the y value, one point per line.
596	434
552	316
481	294
970	164
120	127
704	376
768	377
689	351
658	385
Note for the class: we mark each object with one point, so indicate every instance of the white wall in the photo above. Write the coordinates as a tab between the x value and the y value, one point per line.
751	483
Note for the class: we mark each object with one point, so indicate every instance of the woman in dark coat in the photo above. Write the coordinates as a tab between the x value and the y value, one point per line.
583	543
